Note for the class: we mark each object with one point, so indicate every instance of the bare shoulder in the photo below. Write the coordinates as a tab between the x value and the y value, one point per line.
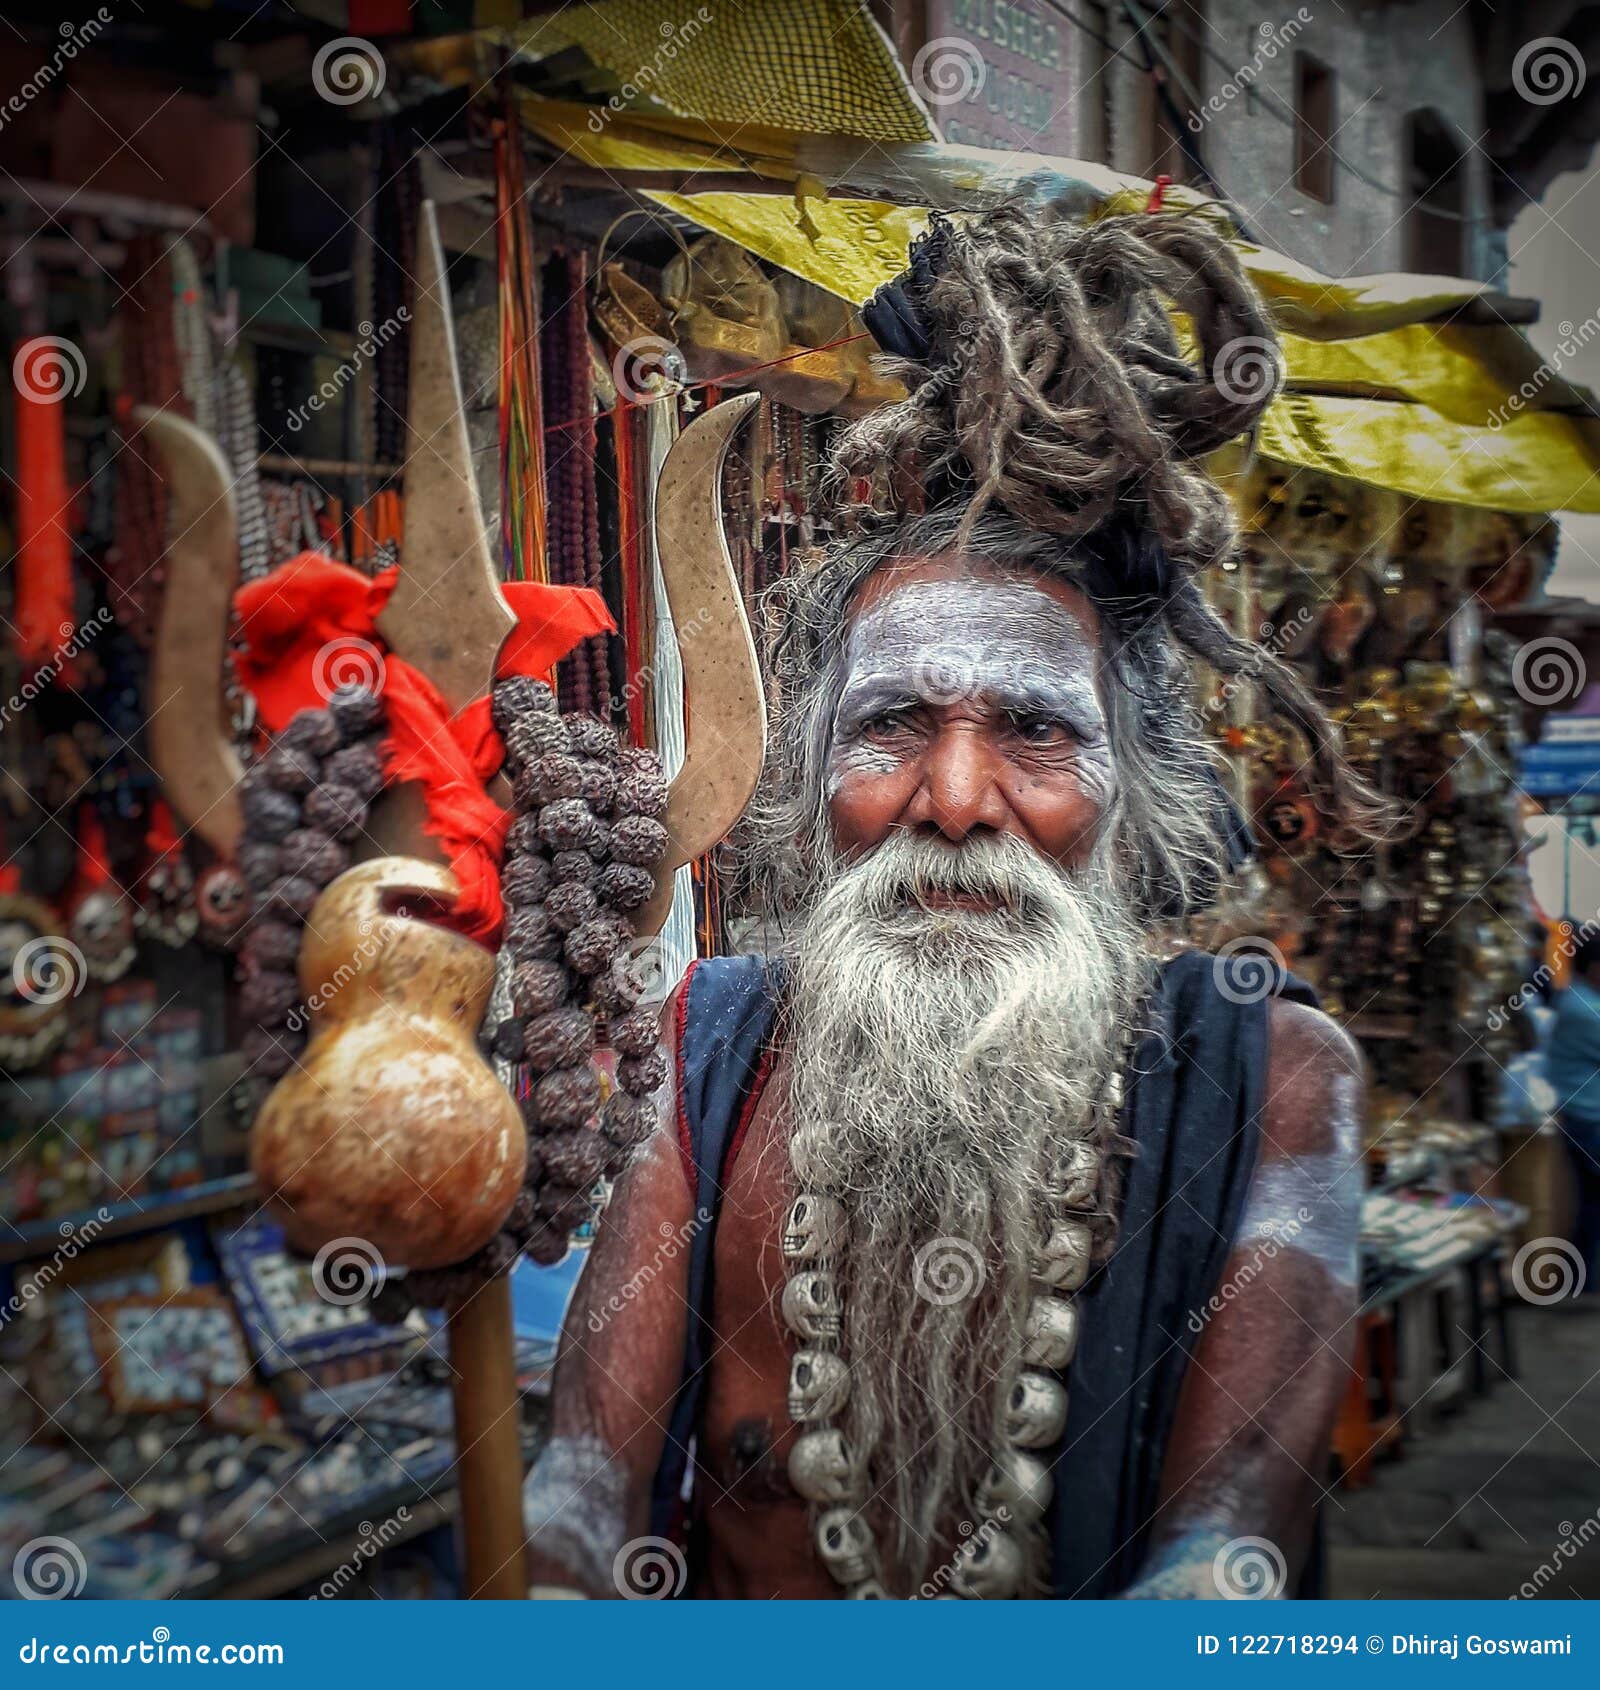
1315	1079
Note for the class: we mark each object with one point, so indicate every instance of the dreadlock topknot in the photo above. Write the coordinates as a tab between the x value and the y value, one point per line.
1047	381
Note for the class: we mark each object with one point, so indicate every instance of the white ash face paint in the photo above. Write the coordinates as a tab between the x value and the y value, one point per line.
1008	648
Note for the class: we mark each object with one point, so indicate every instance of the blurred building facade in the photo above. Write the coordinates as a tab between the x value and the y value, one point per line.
1358	137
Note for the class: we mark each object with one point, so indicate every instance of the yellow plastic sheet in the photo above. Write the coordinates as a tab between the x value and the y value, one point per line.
1535	463
851	247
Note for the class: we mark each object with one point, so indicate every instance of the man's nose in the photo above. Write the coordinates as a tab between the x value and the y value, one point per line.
959	792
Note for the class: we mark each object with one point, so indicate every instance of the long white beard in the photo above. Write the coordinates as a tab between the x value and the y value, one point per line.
947	1052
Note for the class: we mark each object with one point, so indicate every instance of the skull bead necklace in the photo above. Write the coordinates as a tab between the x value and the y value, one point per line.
992	1561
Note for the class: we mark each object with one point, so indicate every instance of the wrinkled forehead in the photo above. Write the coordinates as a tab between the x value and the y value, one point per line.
949	625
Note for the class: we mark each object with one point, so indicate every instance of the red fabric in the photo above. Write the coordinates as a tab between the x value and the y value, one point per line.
43	568
290	618
380	17
93	868
161	835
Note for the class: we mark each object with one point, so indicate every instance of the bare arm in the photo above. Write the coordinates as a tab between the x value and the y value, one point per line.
1249	1447
616	1376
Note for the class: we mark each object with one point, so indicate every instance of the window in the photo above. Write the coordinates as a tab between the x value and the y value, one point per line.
1435	179
1313	128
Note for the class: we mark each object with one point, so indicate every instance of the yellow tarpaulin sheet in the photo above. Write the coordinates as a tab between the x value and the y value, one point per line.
820	67
1435	411
853	246
1535	463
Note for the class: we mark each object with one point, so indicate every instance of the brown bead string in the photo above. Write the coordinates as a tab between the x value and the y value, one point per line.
303	800
578	862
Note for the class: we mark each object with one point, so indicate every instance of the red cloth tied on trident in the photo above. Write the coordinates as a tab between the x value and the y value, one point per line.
312	623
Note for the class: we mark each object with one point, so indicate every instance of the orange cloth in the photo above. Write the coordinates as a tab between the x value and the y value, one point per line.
288	619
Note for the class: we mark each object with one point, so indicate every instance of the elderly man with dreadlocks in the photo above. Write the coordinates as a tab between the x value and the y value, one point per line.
1022	1262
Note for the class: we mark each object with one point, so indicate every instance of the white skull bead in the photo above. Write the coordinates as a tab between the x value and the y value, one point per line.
1063	1259
811	1306
844	1541
819	1467
1017	1489
1051	1334
814	1228
987	1567
1076	1177
1036	1414
819	1385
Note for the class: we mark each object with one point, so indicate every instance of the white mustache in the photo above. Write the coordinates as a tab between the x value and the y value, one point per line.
997	868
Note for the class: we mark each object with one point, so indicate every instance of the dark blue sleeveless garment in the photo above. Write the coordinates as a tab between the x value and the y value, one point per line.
1193	1110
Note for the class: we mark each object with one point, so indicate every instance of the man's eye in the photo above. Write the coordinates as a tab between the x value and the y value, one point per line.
885	722
1040	730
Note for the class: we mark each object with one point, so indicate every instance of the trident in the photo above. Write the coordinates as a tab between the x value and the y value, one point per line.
448	617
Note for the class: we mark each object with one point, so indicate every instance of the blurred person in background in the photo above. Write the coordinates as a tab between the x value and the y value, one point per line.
1574	1068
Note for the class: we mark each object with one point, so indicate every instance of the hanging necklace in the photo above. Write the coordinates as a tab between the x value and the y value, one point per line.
992	1561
